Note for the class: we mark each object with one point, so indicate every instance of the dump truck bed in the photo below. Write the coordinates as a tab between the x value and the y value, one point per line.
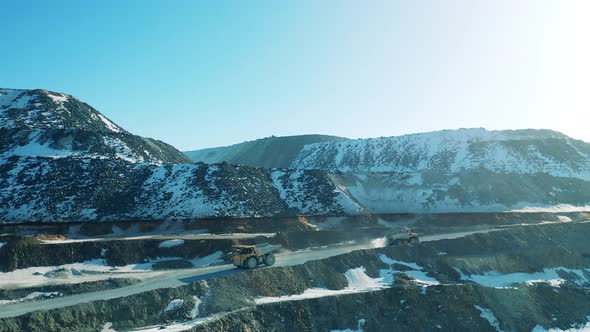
265	248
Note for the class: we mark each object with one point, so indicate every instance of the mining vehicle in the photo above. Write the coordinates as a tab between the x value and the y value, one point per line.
252	256
404	236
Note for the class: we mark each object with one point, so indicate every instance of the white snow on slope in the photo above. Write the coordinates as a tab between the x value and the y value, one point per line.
184	200
417	272
184	326
292	190
58	98
580	328
171	243
195	310
358	281
548	275
111	126
488	315
174	304
175	327
122	150
32	296
452	150
391	193
36	275
108	327
7	98
553	208
35	148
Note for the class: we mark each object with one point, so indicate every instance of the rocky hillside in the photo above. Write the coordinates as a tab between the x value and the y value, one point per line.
79	189
50	124
42	109
61	160
467	170
453	151
270	152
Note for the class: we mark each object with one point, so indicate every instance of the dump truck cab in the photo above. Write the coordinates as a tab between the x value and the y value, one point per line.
252	256
404	236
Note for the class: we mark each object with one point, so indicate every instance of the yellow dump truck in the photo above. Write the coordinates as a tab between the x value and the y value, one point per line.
252	256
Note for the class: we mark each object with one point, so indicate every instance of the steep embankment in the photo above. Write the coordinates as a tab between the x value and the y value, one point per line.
270	152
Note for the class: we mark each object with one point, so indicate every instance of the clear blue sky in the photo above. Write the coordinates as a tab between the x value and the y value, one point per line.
207	73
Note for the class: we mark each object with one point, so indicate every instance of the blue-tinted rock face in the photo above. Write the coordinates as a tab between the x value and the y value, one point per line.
467	170
60	159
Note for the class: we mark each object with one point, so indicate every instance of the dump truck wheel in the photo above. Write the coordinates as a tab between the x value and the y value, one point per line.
269	259
251	263
414	240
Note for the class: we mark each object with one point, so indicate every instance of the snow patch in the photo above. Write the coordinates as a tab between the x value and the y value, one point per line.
185	326
553	208
36	275
581	328
58	98
171	243
195	311
550	276
7	97
111	126
552	282
488	315
416	272
32	296
174	305
122	150
36	149
358	281
108	327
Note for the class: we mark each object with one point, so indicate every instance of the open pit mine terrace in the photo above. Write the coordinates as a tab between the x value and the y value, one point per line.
481	271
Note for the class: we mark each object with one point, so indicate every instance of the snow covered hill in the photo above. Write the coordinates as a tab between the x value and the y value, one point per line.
61	160
467	170
50	124
452	151
86	189
42	109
